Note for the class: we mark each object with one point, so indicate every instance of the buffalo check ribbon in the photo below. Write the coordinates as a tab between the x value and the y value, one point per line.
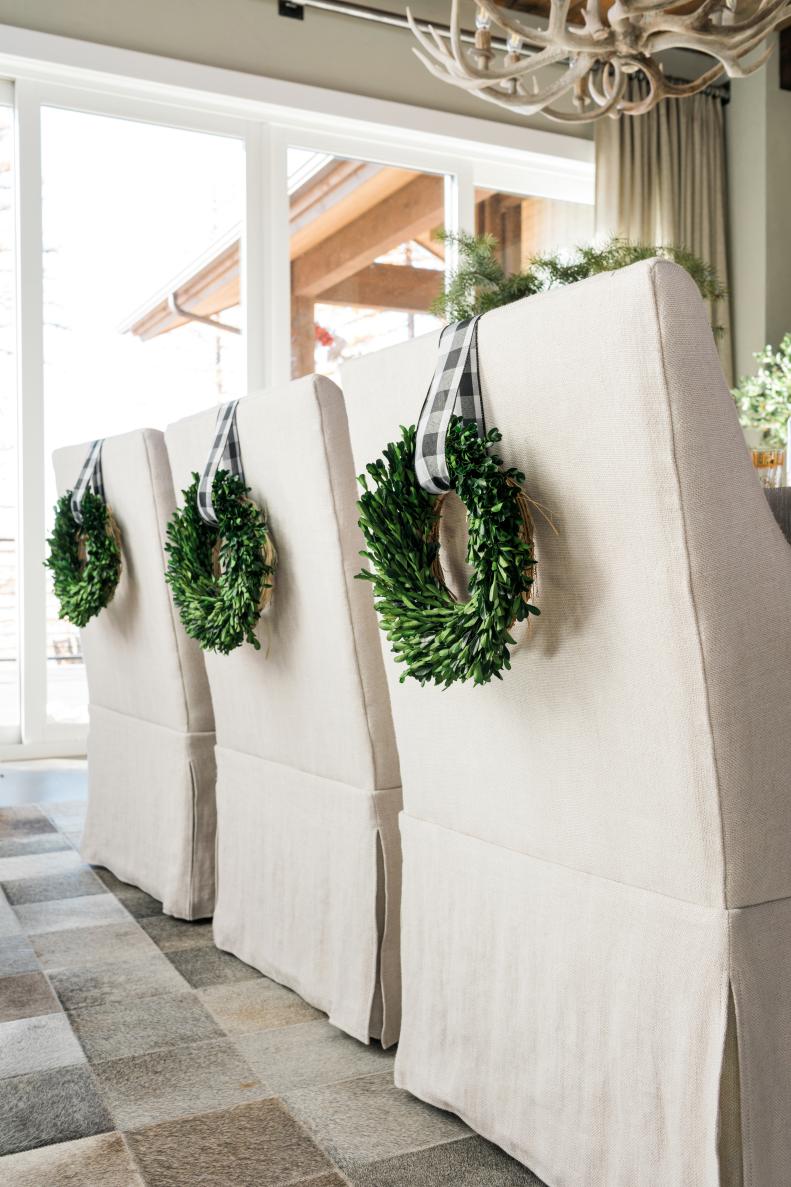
455	390
90	479
226	452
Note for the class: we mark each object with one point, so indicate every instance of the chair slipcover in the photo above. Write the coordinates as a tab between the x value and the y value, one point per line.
151	814
308	787
597	913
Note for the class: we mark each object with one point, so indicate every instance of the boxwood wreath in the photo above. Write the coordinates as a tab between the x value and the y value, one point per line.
221	576
439	639
85	559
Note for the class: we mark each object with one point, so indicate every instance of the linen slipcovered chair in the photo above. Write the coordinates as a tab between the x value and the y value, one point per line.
308	787
151	814
597	852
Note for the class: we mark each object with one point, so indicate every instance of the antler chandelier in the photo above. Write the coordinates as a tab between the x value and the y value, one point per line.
590	52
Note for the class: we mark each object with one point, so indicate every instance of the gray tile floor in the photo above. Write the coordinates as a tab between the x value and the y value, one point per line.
133	1052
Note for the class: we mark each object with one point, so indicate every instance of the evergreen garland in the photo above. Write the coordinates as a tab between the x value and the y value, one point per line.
438	639
480	282
220	576
85	559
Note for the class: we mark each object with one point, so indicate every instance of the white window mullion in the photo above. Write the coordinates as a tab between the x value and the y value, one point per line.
30	347
465	197
459	209
265	275
252	261
275	212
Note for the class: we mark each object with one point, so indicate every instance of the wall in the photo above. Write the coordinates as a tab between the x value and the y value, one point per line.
248	35
759	169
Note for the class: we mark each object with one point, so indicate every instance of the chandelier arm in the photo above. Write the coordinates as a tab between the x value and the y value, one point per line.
638	7
701	15
510	24
725	52
456	46
594	26
683	90
553	90
766	16
531	103
475	78
772	16
664	21
481	81
573	41
587	117
558	18
731	62
612	76
431	42
661	88
466	71
737	70
547	57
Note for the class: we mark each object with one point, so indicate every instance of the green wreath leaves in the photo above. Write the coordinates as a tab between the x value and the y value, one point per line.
85	560
438	639
221	577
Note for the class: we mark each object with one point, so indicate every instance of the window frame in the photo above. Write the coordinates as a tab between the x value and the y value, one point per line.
269	116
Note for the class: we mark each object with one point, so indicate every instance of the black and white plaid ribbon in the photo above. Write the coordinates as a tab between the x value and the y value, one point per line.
90	479
455	390
225	452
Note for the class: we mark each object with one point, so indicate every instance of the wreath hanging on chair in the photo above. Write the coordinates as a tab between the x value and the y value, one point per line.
85	547
220	574
439	639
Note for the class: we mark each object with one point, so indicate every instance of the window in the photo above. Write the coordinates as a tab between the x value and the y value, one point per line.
526	226
132	214
9	577
149	235
365	265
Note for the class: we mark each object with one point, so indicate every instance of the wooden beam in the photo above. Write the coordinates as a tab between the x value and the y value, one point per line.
410	211
387	286
785	59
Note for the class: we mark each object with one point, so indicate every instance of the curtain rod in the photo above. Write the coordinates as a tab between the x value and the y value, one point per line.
396	20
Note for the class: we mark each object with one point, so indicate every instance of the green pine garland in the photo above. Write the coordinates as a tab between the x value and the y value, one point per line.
438	639
85	559
220	576
480	282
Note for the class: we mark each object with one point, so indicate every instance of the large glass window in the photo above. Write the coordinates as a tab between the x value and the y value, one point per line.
143	273
141	233
365	265
9	526
526	226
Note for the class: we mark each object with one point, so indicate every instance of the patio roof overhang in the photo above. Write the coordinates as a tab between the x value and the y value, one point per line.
343	219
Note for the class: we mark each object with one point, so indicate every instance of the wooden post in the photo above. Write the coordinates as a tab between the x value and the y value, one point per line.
303	337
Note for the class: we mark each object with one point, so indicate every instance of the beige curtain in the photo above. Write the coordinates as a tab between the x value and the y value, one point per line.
660	178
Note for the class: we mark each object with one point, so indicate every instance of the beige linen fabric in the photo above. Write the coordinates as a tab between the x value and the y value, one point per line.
151	813
641	740
660	178
303	726
585	1063
301	880
780	502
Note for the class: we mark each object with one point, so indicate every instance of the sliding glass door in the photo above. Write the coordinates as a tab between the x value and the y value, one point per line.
133	312
141	235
